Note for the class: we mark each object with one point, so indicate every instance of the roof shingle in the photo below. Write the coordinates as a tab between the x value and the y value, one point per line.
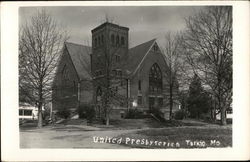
136	54
80	56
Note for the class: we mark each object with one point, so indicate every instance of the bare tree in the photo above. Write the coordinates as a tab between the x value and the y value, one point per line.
208	45
109	80
40	44
174	62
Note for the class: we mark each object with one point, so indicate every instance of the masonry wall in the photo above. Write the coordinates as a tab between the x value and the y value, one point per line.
65	93
143	75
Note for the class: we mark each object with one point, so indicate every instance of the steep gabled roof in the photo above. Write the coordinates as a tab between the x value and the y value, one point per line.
80	56
136	55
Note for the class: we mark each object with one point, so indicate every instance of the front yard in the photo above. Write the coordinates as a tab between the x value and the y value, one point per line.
130	133
179	137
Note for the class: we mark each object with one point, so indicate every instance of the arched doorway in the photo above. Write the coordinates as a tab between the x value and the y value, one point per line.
155	86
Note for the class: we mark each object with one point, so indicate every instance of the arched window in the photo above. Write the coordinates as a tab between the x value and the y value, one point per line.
122	41
65	75
98	94
117	40
112	39
155	79
102	39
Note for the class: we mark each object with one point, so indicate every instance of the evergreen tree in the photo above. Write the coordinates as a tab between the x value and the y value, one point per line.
198	99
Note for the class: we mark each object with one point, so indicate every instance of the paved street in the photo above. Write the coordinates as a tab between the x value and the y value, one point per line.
68	137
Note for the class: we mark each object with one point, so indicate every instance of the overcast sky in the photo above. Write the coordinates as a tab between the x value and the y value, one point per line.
144	23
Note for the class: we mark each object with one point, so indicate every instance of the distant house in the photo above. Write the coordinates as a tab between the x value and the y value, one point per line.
27	111
81	70
229	114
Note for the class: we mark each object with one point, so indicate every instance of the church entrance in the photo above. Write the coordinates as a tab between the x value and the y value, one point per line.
151	103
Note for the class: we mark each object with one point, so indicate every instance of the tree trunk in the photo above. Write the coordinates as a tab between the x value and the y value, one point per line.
107	119
40	120
223	116
170	100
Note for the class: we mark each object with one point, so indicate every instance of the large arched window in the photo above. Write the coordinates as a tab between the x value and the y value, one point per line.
65	75
155	79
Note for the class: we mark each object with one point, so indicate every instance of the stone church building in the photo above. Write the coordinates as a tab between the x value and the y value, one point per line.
138	74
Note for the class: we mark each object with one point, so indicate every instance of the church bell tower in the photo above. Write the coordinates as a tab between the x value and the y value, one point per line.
109	46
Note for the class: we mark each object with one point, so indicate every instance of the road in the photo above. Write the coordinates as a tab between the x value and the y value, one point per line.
68	137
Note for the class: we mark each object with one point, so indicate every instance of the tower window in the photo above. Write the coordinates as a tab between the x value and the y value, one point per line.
117	58
117	40
122	41
119	73
114	72
112	39
102	39
99	41
139	85
95	42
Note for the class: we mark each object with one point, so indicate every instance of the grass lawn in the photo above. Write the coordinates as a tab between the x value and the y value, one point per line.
179	137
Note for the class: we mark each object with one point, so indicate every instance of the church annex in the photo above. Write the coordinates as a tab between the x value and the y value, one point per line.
141	81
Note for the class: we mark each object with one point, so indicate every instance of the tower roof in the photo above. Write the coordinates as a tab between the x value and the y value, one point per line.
109	24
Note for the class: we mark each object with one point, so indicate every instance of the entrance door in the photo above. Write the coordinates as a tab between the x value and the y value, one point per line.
151	103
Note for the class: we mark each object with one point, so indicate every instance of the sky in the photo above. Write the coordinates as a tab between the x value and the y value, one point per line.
144	23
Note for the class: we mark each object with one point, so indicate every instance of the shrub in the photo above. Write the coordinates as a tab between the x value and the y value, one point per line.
81	112
134	114
63	113
179	115
156	112
86	111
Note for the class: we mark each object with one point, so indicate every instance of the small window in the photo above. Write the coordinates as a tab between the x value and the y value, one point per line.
21	112
27	112
122	41
155	47
114	72
160	102
139	85
117	40
117	58
139	102
119	73
112	39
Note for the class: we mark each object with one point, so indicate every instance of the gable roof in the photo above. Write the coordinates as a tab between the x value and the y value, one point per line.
80	56
137	54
